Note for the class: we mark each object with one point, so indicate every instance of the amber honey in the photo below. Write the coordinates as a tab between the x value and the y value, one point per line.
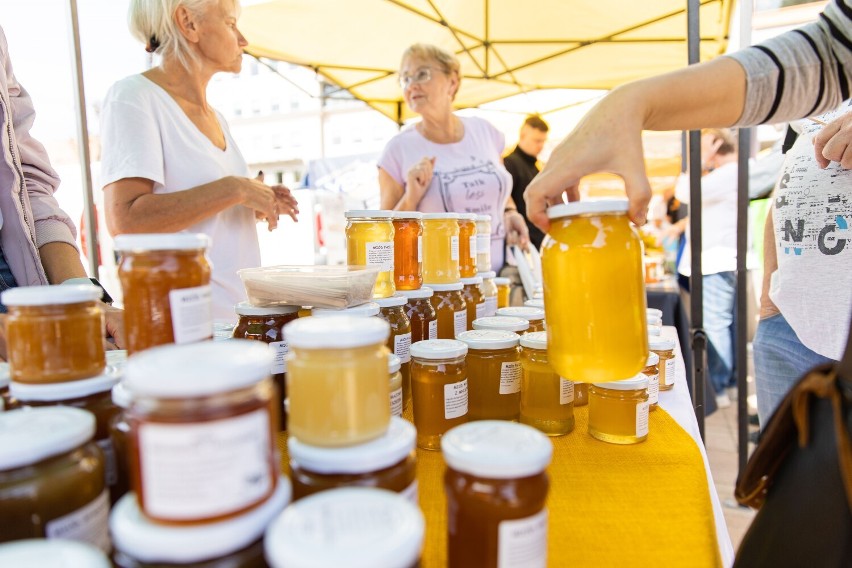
581	394
664	349
618	410
440	248
439	389
493	374
421	314
467	245
504	290
474	298
407	250
652	371
547	400
370	242
399	341
450	309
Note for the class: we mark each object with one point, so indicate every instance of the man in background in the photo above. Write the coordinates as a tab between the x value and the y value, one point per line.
521	163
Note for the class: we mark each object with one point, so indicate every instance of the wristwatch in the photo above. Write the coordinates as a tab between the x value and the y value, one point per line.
105	297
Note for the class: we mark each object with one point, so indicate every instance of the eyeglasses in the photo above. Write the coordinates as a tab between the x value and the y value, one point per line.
422	75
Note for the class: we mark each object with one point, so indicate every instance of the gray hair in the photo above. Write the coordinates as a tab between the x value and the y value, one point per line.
445	60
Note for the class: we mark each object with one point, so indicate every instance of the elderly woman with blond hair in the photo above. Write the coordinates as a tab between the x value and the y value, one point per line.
447	162
169	163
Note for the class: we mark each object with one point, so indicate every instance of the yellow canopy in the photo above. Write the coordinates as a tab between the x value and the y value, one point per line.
505	46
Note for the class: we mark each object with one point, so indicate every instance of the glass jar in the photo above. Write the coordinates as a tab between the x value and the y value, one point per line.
581	394
654	331
664	348
594	292
533	315
389	462
57	553
468	246
503	323
655	322
407	250
395	385
652	313
483	243
440	248
350	526
618	410
142	543
450	308
119	435
52	477
338	380
547	400
489	292
203	422
165	279
439	389
504	291
421	314
370	242
652	371
399	342
54	333
493	374
496	488
365	310
472	294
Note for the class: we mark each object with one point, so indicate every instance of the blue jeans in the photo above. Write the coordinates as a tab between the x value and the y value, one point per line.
780	360
7	279
720	294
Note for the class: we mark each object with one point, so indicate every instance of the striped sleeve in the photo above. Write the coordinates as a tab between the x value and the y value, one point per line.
800	73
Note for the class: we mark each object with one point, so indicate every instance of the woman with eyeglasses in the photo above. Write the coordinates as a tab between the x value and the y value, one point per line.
447	162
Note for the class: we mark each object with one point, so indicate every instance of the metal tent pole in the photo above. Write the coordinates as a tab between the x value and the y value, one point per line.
741	320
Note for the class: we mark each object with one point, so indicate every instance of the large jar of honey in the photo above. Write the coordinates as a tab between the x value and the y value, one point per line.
440	248
467	245
165	279
439	389
533	315
547	400
594	292
421	314
370	242
483	243
399	341
54	333
474	298
493	374
489	292
618	410
450	308
496	488
407	250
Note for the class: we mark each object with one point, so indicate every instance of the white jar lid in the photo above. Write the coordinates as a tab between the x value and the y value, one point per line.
420	293
392	301
505	323
660	343
525	312
197	369
432	216
654	312
439	349
639	382
496	449
482	218
68	390
487	274
50	295
121	397
653	330
51	553
535	303
150	542
407	215
394	363
160	241
583	207
398	441
5	375
356	527
534	340
653	359
475	280
246	309
502	281
371	213
30	435
489	339
446	287
336	332
654	320
365	310
468	216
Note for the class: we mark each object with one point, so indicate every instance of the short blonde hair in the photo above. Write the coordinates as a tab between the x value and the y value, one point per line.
447	61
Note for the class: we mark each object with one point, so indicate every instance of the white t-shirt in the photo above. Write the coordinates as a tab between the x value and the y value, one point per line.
145	134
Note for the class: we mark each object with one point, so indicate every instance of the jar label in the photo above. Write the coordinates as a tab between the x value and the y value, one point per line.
483	243
402	347
566	391
411	494
206	469
110	469
433	329
670	371
641	419
455	400
510	377
380	254
192	314
454	248
396	402
89	523
473	244
460	322
480	310
653	389
280	349
419	249
522	543
490	306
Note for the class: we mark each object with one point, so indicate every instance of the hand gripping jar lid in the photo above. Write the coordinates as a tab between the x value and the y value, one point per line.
391	448
505	323
653	359
420	293
471	280
446	287
197	369
487	274
51	392
50	295
365	310
30	435
356	527
660	343
407	215
149	542
534	340
535	303
371	213
583	207
439	349
496	449
392	301
394	363
428	216
489	339
161	241
639	382
336	332
51	553
525	312
246	309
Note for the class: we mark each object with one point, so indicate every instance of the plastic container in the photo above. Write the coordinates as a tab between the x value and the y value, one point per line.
618	410
493	374
440	248
450	308
664	348
547	400
55	553
439	389
473	297
334	287
503	323
364	310
652	371
533	315
489	292
421	314
594	292
504	291
407	250
395	385
483	243
370	242
468	247
399	341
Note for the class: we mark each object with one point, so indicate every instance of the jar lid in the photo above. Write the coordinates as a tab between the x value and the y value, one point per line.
525	312
658	343
398	441
439	349
496	449
534	340
357	527
446	287
431	216
51	553
407	215
160	241
121	397
481	218
150	542
473	280
489	339
535	303
654	312
392	301
583	207
639	382
371	213
394	363
246	309
505	323
68	390
468	216
653	359
50	295
487	274
653	330
337	332
365	310
30	435
420	293
197	369
5	375
654	320
502	281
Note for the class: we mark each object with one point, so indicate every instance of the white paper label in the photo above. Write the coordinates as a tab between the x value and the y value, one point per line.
433	329
566	391
490	306
380	254
670	371
110	469
455	400
641	419
396	402
419	249
411	494
653	389
473	245
192	314
483	243
205	469
402	347
522	543
480	310
460	322
510	377
280	349
89	523
454	248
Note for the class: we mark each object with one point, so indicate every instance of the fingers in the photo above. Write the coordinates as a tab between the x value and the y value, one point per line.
639	195
546	189
821	141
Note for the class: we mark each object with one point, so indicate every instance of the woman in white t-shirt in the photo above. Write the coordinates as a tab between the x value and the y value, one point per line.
169	163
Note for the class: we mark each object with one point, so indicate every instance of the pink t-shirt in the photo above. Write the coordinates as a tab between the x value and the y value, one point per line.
469	176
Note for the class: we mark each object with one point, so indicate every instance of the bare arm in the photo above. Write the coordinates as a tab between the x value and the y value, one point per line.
61	261
417	180
770	265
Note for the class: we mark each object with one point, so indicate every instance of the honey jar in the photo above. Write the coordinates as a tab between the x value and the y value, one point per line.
493	374
594	292
388	462
338	380
503	323
664	349
54	333
533	315
370	242
6	400
496	488
165	279
547	400
407	250
581	394
654	330
440	248
618	410
395	385
421	314
489	292
535	303
399	341
203	419
652	313
473	297
655	322
119	435
652	371
43	553
504	291
365	310
450	308
483	243
467	245
439	389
